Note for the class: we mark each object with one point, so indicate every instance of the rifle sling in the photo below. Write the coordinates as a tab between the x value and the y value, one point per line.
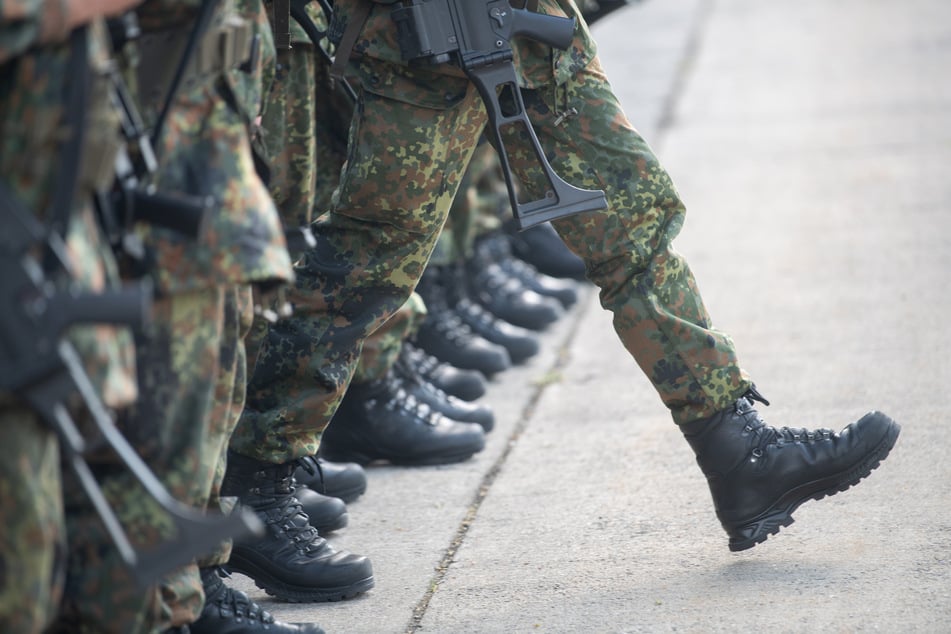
342	56
76	109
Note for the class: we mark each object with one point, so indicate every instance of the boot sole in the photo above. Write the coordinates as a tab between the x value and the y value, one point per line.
779	515
294	593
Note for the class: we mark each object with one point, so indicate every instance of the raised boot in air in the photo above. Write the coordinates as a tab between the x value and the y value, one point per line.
760	475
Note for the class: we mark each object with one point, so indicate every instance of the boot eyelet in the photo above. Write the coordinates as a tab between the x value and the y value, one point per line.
757	454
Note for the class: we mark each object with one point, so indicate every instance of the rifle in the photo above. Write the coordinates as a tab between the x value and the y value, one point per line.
476	34
133	198
44	371
298	11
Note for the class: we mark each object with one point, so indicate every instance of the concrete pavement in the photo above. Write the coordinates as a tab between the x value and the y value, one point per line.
811	141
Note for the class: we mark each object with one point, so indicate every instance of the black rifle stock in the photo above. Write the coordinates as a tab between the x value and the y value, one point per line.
44	371
132	197
476	35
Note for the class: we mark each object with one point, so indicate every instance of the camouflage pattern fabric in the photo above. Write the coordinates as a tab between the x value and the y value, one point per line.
171	427
288	125
32	83
659	315
290	129
229	401
28	23
272	387
206	144
361	272
191	362
286	140
205	151
33	541
475	209
382	348
182	592
412	136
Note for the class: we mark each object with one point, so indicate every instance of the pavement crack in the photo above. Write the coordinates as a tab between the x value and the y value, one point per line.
668	111
536	390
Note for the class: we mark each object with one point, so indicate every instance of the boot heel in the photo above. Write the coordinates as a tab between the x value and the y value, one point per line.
756	532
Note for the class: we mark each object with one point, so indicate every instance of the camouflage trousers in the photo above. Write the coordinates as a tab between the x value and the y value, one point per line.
474	210
182	593
382	348
404	167
188	369
33	539
289	124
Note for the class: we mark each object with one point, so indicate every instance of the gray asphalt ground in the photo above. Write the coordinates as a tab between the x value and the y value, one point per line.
811	141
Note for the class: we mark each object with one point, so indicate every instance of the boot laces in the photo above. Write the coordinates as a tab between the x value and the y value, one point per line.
295	524
286	512
424	364
768	435
228	600
402	400
478	313
408	378
453	328
311	465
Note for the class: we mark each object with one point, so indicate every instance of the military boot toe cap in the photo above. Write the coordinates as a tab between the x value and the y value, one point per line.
381	420
326	513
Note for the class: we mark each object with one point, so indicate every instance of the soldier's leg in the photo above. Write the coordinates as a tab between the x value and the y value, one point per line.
658	312
758	475
372	248
169	426
392	413
382	348
182	592
229	401
320	573
458	331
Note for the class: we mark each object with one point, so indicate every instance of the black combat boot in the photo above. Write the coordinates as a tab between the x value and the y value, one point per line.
445	404
498	248
520	343
230	611
344	480
379	420
506	296
291	561
543	248
325	512
444	335
759	475
465	384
